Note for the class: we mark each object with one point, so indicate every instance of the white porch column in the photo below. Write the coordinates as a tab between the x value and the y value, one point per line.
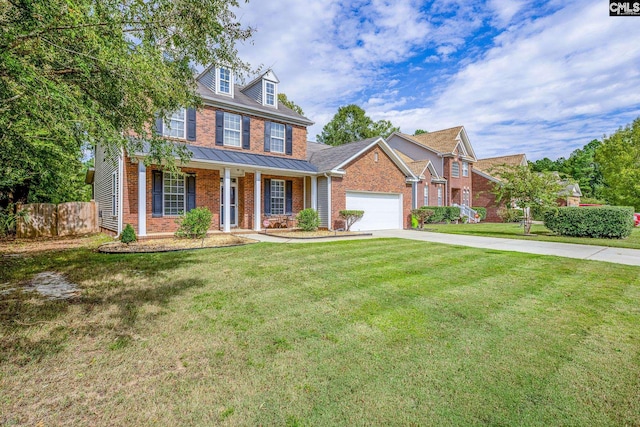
257	201
142	199
329	223
227	200
414	195
314	193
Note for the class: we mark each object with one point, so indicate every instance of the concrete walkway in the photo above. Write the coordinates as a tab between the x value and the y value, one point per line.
568	250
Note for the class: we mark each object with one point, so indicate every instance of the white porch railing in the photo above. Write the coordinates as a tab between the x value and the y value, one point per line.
468	212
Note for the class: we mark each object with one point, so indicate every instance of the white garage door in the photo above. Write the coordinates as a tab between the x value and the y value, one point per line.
382	211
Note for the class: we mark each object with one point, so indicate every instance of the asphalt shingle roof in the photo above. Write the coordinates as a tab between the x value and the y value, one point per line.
329	158
442	141
242	100
485	165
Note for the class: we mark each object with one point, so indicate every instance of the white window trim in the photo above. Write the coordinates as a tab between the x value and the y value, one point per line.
224	140
439	196
218	80
284	196
264	93
165	126
465	168
453	172
425	195
184	200
284	138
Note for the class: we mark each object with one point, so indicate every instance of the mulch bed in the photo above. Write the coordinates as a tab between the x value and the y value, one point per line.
319	234
173	244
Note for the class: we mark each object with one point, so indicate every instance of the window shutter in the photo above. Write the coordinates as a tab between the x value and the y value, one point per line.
219	128
159	125
191	124
191	192
267	137
289	140
156	194
246	132
267	197
288	201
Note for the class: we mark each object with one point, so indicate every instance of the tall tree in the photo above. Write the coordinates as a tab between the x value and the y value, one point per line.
282	97
74	72
619	161
351	123
420	132
526	189
582	167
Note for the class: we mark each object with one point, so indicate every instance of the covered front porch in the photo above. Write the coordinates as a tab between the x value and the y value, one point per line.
253	193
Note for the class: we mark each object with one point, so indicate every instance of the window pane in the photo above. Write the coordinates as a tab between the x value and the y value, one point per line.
277	137
173	194
225	81
277	197
270	92
174	126
231	129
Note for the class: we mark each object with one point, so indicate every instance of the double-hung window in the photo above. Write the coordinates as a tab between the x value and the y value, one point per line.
232	129
425	201
439	196
224	81
270	93
277	137
175	125
173	199
465	168
455	169
277	197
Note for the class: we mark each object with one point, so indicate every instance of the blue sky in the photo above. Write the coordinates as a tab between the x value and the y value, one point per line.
541	78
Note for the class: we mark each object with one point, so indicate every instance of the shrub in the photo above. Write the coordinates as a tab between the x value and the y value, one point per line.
439	213
194	224
509	214
421	215
128	235
481	211
308	219
414	222
453	213
9	218
611	222
351	217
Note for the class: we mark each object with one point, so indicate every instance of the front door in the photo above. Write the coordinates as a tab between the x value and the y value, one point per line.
234	204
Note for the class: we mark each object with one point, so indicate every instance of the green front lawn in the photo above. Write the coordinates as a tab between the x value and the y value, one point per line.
369	332
539	231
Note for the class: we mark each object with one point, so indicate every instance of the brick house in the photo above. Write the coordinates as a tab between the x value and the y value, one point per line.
364	175
485	177
249	164
442	161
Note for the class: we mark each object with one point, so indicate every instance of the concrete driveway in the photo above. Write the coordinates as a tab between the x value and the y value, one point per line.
568	250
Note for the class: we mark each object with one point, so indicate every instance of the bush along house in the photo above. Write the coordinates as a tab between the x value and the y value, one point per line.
249	165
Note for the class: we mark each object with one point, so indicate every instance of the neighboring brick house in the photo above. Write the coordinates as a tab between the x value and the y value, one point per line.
364	175
443	161
248	162
485	178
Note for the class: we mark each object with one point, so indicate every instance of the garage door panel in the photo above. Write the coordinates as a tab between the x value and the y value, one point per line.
382	211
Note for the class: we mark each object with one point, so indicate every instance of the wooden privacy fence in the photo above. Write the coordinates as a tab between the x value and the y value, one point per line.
65	219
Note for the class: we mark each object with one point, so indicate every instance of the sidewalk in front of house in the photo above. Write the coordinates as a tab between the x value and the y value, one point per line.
568	250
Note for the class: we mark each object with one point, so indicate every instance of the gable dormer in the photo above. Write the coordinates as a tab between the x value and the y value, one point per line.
219	80
264	89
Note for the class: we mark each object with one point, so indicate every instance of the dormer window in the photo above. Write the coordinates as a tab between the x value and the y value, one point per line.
270	93
224	81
